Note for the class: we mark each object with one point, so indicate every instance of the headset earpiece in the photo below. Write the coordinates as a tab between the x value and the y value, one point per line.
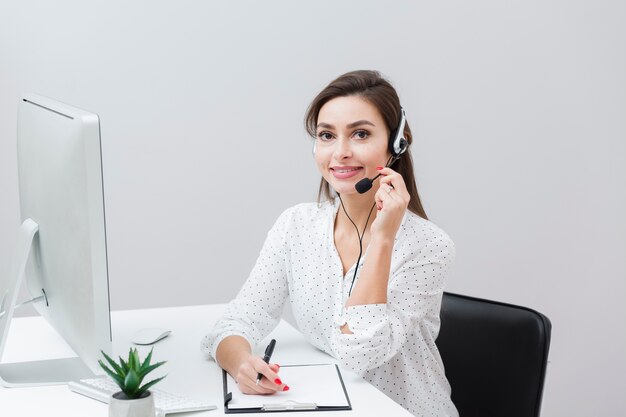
397	142
314	147
403	145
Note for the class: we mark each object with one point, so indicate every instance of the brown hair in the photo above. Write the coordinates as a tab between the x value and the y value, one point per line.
371	86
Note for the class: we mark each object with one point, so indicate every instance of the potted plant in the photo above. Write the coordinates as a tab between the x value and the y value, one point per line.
134	399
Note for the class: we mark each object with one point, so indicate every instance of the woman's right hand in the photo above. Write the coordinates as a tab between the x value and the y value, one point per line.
248	372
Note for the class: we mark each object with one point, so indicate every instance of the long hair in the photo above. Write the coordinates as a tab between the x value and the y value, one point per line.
371	86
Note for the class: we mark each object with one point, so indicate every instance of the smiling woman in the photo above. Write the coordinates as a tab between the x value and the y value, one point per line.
376	312
373	89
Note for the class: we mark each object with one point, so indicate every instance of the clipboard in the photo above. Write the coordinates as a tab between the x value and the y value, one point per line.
313	388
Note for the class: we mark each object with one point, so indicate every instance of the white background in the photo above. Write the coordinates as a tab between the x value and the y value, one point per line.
518	108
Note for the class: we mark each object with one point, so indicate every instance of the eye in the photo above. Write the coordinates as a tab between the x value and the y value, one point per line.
325	136
361	134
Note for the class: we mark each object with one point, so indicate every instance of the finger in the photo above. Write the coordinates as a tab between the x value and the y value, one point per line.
246	379
382	197
250	387
399	193
387	187
269	385
260	367
276	384
389	176
274	367
387	172
393	194
396	181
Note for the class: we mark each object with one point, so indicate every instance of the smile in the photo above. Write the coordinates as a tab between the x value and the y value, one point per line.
345	172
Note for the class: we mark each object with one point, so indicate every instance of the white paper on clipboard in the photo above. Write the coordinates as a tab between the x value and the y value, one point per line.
308	384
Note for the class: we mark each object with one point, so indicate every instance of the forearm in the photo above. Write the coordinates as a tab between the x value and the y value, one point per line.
231	352
374	278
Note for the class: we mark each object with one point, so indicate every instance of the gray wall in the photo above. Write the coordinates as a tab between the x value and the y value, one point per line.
518	109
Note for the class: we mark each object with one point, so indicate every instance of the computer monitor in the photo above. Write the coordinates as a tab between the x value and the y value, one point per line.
61	254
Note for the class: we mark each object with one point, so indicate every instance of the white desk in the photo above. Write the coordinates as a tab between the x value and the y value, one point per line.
189	371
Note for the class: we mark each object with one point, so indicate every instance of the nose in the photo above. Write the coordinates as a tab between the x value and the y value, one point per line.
343	149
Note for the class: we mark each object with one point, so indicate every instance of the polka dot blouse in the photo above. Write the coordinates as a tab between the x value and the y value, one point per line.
392	345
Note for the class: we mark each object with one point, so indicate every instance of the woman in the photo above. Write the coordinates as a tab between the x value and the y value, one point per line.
376	312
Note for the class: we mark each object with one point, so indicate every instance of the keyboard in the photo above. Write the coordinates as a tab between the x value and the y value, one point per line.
101	389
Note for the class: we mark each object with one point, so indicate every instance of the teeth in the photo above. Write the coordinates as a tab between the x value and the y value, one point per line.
343	171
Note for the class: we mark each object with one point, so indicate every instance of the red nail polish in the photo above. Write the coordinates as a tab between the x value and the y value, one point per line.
379	168
286	388
277	381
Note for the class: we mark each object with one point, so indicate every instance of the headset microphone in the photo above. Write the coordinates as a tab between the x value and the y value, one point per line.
397	146
365	184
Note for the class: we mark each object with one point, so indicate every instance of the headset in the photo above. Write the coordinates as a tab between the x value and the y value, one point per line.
397	142
397	146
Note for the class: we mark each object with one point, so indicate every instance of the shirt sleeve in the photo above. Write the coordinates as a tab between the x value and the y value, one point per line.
413	304
256	310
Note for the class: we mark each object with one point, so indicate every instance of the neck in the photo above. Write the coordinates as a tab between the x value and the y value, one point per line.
358	207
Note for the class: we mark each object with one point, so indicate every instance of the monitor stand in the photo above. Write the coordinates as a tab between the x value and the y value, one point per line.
32	373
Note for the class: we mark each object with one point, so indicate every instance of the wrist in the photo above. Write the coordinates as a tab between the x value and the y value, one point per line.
382	241
232	352
241	358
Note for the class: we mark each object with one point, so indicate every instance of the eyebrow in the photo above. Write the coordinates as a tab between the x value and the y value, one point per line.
350	126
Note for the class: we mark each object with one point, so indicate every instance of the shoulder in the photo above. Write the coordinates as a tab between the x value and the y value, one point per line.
305	215
307	212
419	236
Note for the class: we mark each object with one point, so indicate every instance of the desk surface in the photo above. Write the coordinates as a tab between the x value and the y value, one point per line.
189	371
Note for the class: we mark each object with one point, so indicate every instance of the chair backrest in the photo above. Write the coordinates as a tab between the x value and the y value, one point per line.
495	356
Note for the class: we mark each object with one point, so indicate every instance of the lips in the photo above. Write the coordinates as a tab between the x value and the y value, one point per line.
343	172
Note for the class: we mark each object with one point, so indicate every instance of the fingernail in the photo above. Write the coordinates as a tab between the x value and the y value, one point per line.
379	168
286	388
277	365
277	381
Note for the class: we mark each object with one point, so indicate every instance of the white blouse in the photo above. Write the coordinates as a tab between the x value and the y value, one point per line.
392	345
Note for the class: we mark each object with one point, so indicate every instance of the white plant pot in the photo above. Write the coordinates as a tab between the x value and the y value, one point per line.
119	406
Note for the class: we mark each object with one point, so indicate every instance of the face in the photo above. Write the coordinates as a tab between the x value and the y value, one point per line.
351	141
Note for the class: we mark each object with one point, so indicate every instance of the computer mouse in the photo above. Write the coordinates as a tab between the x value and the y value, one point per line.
150	336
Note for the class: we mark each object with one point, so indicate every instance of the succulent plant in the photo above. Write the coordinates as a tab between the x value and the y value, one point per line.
129	374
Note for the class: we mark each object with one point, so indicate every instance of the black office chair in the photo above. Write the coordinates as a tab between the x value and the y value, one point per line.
495	356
